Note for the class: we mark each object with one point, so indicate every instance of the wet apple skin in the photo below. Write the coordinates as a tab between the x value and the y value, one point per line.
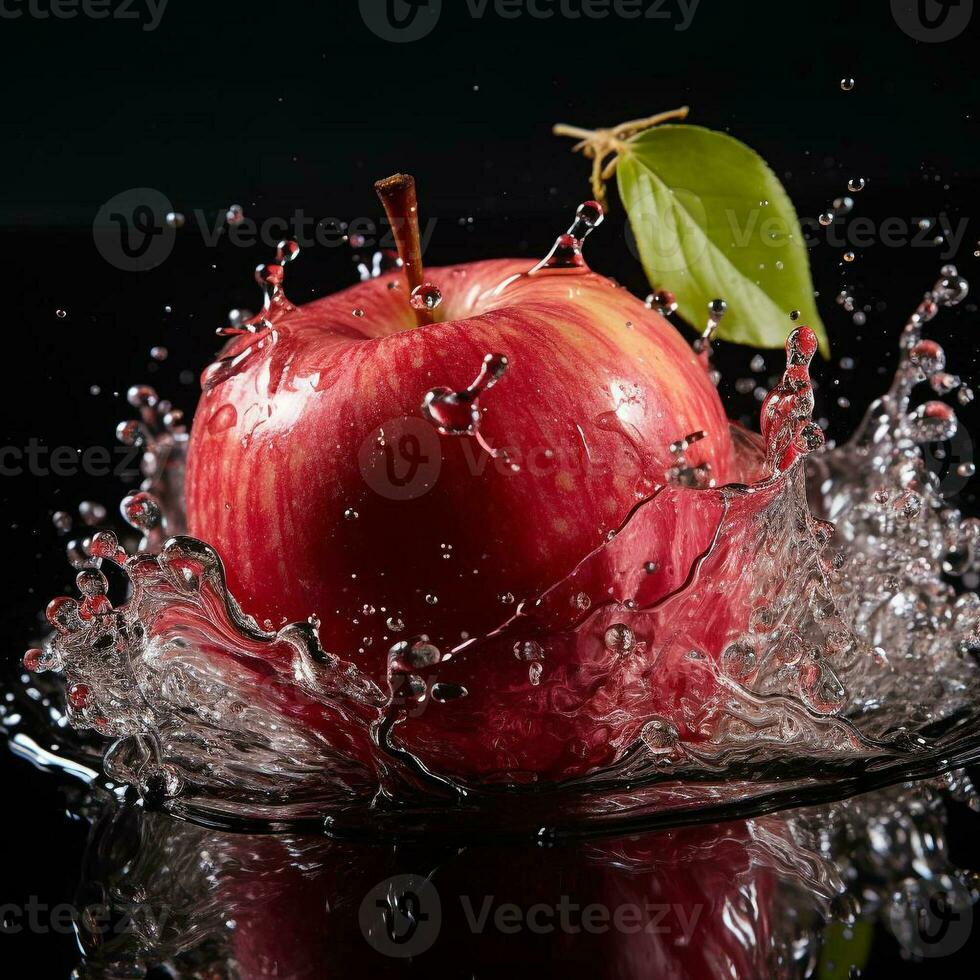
287	465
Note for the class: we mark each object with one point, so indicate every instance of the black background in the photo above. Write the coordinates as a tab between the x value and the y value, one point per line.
286	106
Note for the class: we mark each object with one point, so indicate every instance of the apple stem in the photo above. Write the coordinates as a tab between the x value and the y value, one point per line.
604	146
398	196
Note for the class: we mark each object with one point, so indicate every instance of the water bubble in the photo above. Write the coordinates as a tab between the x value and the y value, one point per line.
847	84
827	218
794	315
966	469
619	639
350	514
910	504
142	396
422	654
739	659
91	512
159	782
663	301
848	256
62	521
91	582
589	214
581	601
650	567
660	735
395	624
856	184
431	599
159	353
79	696
952	289
448	692
174	219
528	650
928	356
426	297
141	511
932	422
235	214
820	687
458	412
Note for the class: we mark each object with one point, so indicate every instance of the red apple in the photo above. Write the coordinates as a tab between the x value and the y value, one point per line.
328	489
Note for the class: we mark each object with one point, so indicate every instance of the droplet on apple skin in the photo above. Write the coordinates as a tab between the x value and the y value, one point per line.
426	297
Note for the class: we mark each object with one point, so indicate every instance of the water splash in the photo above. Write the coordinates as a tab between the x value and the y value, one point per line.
458	413
807	669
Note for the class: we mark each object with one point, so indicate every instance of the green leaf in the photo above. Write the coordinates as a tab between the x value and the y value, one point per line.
710	220
843	948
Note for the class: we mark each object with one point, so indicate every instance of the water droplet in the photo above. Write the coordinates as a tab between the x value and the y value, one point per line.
426	297
91	512
847	84
141	511
528	650
856	184
660	736
174	219
619	639
62	521
848	256
448	692
663	301
739	659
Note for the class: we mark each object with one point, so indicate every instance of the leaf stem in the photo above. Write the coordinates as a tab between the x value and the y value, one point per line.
605	146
